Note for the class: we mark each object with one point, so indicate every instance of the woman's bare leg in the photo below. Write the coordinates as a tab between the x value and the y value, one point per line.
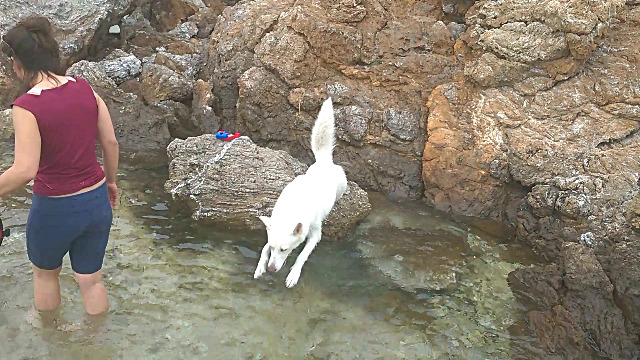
46	289
93	292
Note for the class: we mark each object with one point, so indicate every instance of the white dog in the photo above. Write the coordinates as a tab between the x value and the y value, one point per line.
304	203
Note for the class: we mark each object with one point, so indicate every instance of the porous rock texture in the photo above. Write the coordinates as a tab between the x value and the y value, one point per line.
542	132
271	64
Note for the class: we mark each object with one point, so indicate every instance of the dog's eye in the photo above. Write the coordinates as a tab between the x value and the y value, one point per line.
283	249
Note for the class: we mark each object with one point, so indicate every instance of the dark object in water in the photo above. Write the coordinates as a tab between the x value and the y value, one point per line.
3	233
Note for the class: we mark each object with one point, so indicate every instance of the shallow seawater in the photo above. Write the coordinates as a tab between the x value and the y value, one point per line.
410	283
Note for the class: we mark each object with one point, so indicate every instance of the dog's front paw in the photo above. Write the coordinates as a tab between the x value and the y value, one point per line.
292	278
260	270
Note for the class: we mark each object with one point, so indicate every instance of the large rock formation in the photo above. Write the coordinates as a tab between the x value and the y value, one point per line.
145	69
576	303
521	111
234	182
149	81
271	64
79	27
167	37
542	132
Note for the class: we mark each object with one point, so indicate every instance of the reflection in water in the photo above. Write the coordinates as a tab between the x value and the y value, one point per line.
410	284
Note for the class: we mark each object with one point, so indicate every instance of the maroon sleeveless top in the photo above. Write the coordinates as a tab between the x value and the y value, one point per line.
67	117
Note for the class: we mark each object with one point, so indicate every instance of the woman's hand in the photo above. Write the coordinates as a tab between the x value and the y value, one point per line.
112	191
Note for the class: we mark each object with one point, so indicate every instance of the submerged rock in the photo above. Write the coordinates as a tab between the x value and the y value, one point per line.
457	274
235	182
406	263
410	248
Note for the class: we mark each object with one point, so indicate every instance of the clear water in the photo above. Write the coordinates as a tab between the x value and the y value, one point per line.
410	283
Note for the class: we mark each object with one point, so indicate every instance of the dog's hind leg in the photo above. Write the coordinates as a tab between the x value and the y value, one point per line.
296	269
262	263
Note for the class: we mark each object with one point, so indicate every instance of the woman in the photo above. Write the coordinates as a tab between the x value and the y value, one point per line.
56	126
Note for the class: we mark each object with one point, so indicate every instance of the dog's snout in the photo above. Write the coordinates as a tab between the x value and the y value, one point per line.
272	268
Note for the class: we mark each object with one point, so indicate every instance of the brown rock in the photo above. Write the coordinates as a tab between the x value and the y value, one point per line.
167	14
161	83
550	143
132	86
464	166
203	115
490	70
78	29
550	40
186	65
272	64
206	19
622	264
590	301
558	331
575	305
179	123
287	52
10	86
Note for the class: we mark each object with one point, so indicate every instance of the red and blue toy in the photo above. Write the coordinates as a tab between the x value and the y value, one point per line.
223	135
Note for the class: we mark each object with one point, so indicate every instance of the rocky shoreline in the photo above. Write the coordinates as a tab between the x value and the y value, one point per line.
522	112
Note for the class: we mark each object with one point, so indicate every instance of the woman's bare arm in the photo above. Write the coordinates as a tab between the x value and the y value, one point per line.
27	152
108	141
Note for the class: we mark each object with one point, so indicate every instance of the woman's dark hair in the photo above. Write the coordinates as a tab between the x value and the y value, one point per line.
31	42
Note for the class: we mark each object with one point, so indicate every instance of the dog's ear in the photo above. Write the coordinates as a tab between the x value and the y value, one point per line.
266	220
298	229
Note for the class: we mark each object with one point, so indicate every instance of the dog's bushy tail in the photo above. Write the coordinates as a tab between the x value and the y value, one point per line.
323	133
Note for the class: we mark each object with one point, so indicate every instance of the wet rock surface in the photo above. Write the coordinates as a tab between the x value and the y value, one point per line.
399	249
211	177
576	302
448	264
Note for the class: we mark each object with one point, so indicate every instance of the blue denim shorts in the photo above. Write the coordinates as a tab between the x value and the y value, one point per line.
78	225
